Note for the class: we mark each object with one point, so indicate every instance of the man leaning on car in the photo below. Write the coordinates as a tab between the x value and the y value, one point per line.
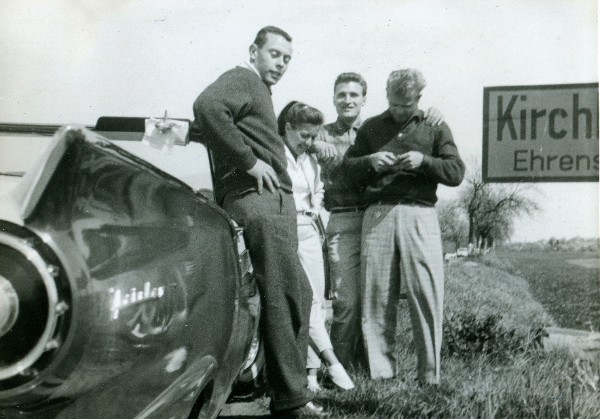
234	117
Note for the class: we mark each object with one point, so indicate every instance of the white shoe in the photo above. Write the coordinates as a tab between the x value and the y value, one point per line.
313	384
340	377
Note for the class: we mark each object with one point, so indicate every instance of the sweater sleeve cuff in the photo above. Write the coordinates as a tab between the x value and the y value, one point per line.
427	161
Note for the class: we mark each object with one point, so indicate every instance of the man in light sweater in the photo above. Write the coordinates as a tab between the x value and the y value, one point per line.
234	117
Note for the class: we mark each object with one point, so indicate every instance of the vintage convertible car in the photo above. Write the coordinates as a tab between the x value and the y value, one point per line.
123	291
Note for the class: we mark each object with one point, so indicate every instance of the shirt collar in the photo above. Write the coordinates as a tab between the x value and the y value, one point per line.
340	125
247	64
417	116
291	157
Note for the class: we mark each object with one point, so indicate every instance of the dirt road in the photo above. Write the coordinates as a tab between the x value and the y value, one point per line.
258	408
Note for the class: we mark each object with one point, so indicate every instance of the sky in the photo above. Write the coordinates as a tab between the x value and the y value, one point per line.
69	61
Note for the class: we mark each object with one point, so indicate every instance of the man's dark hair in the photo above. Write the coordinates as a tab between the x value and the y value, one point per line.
261	36
351	77
298	113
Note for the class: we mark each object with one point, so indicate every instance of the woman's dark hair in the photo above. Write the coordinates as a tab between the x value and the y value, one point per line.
297	113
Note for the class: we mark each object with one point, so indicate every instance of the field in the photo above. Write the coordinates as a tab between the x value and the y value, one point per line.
493	365
567	284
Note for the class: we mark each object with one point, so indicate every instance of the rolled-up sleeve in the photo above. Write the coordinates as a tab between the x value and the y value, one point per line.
319	189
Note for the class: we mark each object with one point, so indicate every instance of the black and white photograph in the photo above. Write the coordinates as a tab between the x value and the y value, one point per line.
260	209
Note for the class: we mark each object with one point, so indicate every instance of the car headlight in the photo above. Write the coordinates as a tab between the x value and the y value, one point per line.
34	305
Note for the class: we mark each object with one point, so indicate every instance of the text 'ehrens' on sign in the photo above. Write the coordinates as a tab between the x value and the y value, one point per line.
545	133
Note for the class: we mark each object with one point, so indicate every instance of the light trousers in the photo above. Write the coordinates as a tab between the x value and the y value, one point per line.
402	243
311	257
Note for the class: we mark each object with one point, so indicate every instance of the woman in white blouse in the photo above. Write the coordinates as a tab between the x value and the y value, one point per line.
299	125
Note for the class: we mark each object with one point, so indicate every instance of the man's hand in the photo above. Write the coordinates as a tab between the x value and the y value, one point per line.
381	160
433	116
324	150
263	173
411	160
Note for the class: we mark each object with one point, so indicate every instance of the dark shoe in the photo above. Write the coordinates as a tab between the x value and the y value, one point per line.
309	410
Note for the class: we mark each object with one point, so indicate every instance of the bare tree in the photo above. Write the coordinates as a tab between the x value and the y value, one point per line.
453	222
493	208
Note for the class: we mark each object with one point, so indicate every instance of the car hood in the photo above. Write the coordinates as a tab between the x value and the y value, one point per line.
9	206
19	195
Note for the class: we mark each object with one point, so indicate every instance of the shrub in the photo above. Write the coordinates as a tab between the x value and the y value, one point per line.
466	335
482	291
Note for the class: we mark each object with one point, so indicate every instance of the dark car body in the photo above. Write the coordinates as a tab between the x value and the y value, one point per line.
123	292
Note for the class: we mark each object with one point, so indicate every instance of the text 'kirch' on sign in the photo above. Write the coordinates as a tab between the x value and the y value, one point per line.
546	133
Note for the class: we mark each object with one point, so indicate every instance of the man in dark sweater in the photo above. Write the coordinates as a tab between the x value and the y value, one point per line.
234	117
400	160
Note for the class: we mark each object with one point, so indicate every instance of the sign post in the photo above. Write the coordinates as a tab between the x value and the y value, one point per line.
545	133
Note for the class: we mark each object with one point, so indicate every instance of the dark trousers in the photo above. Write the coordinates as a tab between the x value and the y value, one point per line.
271	235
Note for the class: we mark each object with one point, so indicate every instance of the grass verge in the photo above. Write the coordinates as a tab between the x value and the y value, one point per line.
510	378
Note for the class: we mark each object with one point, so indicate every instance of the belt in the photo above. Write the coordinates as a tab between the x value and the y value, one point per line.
336	210
309	214
408	203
